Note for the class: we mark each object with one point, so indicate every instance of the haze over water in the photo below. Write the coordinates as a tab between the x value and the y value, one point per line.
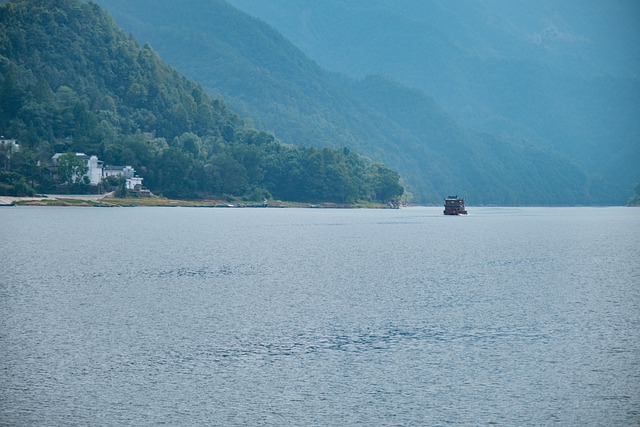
185	316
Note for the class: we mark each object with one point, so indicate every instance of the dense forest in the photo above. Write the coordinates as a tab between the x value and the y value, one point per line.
262	75
72	81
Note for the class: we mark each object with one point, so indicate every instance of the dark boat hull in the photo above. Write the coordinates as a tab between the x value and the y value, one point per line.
455	213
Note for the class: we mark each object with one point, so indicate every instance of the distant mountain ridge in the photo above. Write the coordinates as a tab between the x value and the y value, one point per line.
263	76
561	74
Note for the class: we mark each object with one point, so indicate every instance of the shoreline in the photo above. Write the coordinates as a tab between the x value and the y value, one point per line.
107	201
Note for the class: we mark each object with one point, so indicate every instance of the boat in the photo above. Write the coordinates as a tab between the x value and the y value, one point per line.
454	206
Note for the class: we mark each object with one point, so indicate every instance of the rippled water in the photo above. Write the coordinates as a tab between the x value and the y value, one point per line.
186	316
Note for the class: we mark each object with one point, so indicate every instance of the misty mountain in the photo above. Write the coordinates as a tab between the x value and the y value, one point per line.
265	77
564	75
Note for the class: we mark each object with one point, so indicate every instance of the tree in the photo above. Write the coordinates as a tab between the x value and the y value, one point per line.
71	168
14	184
635	199
386	184
189	142
11	95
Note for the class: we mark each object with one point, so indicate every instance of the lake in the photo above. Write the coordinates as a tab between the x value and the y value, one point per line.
319	317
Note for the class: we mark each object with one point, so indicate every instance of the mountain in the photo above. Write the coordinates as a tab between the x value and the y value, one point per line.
72	81
561	74
265	77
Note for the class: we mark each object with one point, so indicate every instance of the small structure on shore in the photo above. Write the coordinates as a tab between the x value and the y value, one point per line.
454	206
97	172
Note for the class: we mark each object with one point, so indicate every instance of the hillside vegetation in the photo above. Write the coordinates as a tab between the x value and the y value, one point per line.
558	74
72	81
265	77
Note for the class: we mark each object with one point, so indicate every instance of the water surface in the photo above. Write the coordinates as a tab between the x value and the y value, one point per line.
186	316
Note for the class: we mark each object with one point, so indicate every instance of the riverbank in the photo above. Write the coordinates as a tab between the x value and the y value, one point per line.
91	200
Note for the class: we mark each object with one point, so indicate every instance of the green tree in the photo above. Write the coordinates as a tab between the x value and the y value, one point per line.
635	199
233	175
11	95
71	168
14	184
189	142
386	184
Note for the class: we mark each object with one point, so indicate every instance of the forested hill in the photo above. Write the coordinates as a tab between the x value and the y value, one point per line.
562	73
72	81
263	76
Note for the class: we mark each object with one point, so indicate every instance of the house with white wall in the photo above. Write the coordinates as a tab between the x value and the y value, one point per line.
10	144
126	171
97	171
134	183
94	167
7	148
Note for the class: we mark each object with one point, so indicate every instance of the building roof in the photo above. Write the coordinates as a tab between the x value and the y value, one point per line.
57	155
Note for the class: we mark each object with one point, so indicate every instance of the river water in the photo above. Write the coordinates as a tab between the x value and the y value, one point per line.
319	317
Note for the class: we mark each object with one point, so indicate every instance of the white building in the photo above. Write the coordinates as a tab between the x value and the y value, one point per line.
7	148
134	183
11	144
126	171
94	167
97	171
